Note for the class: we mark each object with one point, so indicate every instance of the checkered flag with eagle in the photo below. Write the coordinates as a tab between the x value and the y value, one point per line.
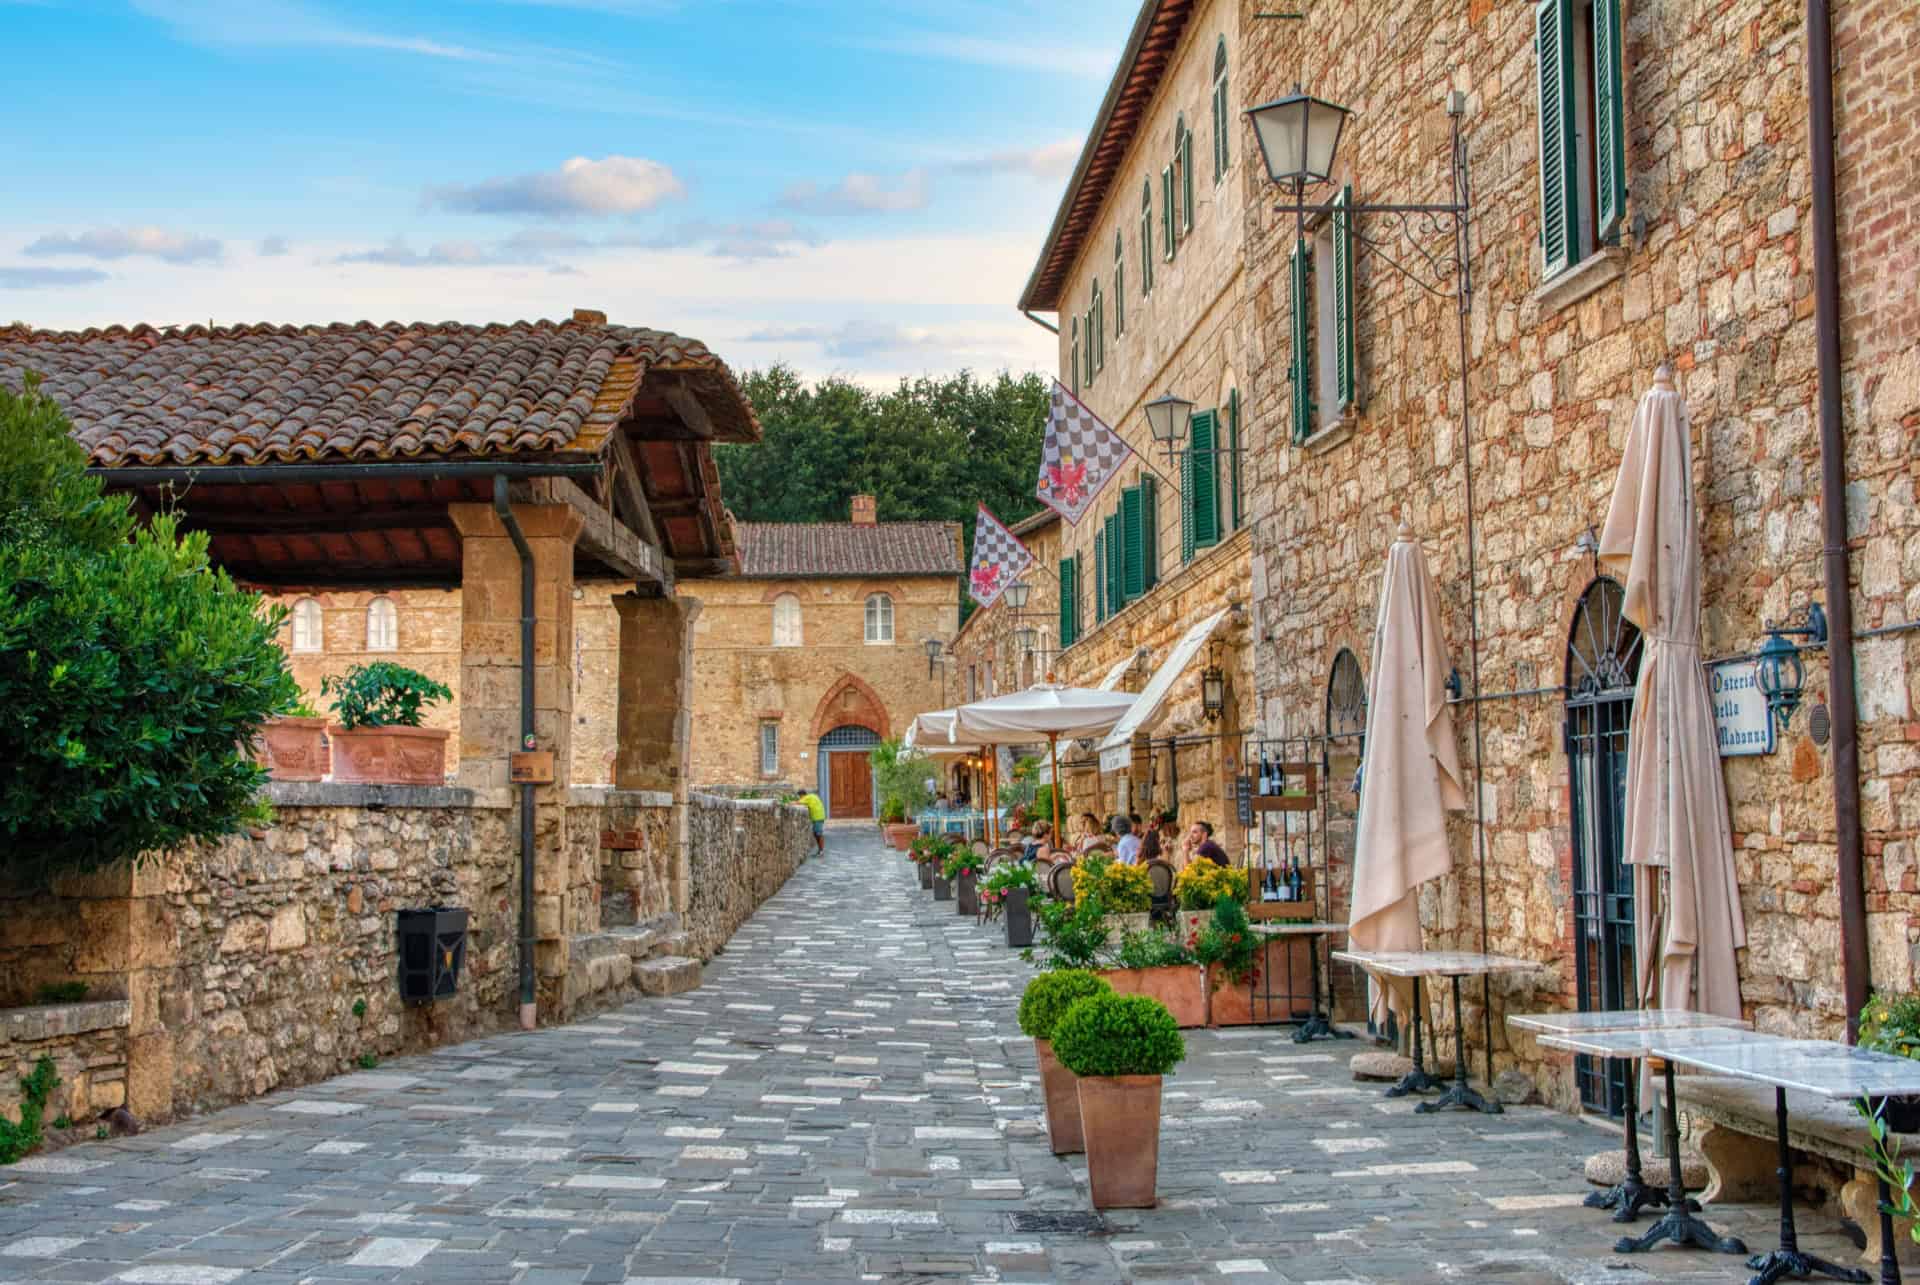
1079	457
999	559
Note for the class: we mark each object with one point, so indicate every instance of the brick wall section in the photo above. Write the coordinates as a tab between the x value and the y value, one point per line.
1721	287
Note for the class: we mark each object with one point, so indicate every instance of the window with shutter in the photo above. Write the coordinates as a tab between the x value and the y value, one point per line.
1300	365
1206	479
1166	214
1146	237
1233	452
1073	358
1133	555
1098	329
1150	530
1119	285
1100	575
1343	299
1220	115
1186	506
1185	159
1609	122
1066	602
1079	590
1559	155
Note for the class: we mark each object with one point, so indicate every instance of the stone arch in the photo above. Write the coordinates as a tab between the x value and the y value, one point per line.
851	701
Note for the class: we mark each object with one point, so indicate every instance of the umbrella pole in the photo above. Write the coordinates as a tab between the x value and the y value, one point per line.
1053	756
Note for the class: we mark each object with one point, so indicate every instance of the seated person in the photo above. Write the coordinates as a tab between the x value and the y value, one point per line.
1090	836
1200	845
1127	851
1161	840
1035	848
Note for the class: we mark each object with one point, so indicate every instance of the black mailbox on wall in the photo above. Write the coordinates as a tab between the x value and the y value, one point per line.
433	944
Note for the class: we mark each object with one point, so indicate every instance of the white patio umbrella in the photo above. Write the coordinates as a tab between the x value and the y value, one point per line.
1676	807
1412	776
1042	710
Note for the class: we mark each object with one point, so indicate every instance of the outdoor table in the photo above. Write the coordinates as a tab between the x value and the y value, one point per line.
1632	1195
1828	1070
1319	1023
1678	1224
1451	964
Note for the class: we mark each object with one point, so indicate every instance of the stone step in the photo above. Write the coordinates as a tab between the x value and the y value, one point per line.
673	944
667	975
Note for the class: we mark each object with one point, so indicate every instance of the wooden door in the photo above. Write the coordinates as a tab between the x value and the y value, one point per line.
849	785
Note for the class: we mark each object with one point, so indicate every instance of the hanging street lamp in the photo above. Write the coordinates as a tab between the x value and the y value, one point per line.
1777	665
1016	595
1299	136
1213	686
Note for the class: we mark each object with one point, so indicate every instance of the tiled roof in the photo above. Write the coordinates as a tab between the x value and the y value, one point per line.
809	550
1040	521
261	394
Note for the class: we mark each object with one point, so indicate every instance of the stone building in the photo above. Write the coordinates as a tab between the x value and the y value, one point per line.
816	650
1146	266
1673	220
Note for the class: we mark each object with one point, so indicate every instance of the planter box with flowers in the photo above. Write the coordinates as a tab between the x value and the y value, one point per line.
379	740
1159	965
1124	892
1118	1047
926	853
1007	894
962	870
1044	1002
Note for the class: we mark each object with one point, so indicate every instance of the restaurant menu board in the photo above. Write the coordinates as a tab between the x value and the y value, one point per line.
1243	800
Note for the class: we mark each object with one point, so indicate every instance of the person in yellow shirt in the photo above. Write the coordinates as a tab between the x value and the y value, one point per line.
818	811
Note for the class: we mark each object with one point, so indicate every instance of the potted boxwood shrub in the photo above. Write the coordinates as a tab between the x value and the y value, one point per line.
1118	1047
1008	894
962	869
1126	892
293	746
1157	964
1045	1000
379	739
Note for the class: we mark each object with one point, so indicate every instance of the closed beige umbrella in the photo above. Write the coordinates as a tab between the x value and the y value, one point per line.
1411	777
1676	813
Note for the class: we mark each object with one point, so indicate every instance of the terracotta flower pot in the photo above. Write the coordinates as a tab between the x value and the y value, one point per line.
294	749
1062	1091
901	834
1181	987
389	755
1120	1115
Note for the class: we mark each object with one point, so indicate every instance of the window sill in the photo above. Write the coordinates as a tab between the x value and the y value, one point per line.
1332	434
1592	273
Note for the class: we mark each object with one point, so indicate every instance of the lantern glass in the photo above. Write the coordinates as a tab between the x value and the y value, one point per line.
1026	637
1017	594
1169	418
1299	136
933	646
1781	675
1213	691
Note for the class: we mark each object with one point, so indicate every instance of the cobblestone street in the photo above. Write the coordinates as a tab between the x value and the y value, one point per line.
847	1098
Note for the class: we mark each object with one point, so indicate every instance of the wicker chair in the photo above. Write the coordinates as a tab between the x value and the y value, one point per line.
1161	874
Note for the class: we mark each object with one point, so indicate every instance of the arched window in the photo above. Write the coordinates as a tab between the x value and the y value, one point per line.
1221	118
786	621
879	618
383	625
1146	237
1119	285
308	635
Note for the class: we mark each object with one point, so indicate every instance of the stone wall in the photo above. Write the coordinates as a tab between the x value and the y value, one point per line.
1720	284
88	1045
739	854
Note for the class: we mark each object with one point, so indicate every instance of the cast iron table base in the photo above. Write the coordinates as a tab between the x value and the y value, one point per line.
1417	1080
1318	1025
1678	1224
1458	1094
1629	1197
1788	1260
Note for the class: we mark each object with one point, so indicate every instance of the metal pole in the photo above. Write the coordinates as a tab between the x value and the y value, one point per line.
529	1011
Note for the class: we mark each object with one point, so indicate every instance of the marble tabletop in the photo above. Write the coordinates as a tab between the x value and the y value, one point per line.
1565	1022
1655	1043
1819	1067
1294	928
1434	963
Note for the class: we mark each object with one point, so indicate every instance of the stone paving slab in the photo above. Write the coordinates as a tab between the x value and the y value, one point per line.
847	1098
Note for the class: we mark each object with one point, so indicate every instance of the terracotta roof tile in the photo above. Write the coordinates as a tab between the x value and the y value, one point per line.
259	394
807	550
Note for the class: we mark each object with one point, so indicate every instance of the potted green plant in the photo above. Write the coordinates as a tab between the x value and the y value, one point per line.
1126	892
895	825
379	739
1891	1024
1008	895
293	746
962	869
1228	949
1118	1048
1042	1004
942	886
926	852
904	780
1161	966
1072	934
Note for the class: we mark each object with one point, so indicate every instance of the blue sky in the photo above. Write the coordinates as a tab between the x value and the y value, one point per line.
849	187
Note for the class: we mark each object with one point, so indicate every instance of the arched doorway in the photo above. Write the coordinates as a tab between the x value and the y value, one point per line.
1603	660
846	771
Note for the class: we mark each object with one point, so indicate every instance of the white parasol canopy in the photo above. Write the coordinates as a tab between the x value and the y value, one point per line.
931	734
1044	709
1676	809
1412	776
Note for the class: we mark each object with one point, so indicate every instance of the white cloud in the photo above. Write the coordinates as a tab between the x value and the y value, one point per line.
292	24
855	339
611	185
858	194
1048	161
273	246
444	254
122	243
762	239
16	278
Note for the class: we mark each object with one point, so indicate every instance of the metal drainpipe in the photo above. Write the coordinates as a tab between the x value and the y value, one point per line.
1854	961
528	1008
1047	326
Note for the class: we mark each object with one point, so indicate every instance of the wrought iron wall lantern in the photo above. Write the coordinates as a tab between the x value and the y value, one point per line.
1213	686
936	650
1777	665
1016	595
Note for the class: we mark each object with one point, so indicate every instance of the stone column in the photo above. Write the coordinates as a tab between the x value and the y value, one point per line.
565	901
654	704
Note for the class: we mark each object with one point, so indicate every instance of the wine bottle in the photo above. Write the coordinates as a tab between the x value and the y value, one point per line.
1297	883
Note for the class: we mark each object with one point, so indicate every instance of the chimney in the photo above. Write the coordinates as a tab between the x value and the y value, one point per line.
863	511
589	317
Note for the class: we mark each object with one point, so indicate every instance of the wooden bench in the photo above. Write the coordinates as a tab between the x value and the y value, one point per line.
1743	1156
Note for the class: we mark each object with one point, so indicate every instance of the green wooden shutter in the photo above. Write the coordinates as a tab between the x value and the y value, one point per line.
1186	178
1079	610
1233	448
1609	121
1119	286
1219	130
1206	479
1100	575
1166	214
1343	299
1133	561
1186	506
1116	565
1073	358
1066	602
1559	183
1150	530
1146	238
1300	366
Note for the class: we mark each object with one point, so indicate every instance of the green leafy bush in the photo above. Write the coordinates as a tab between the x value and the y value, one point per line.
1118	1035
18	1140
1049	995
1123	890
1071	934
1007	877
382	694
903	778
1154	948
1228	940
133	677
1891	1024
962	860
